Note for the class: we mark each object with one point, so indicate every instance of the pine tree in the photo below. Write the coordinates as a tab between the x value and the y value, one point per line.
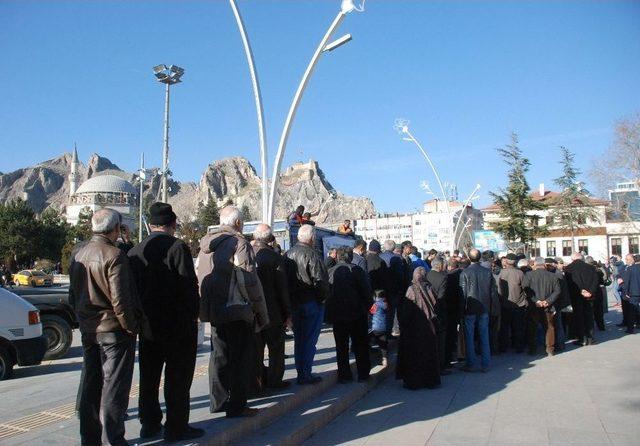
19	231
572	208
517	223
209	214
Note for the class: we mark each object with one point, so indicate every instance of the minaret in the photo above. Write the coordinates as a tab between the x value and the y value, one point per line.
73	176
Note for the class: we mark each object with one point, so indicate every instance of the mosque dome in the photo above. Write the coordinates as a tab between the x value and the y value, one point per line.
106	184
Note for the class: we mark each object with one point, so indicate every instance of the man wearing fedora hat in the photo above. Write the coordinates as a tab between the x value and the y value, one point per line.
166	282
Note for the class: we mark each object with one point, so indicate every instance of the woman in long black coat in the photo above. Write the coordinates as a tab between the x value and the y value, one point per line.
417	351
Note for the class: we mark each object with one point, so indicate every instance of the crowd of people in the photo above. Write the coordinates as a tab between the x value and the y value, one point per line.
439	309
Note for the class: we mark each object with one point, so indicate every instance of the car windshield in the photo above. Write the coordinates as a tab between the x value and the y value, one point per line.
24	273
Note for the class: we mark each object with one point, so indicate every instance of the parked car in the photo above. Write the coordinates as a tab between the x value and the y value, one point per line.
21	338
33	278
57	315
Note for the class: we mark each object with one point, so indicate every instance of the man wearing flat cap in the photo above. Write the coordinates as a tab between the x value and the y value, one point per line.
166	282
514	306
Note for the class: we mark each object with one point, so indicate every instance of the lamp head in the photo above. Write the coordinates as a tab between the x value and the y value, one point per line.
348	5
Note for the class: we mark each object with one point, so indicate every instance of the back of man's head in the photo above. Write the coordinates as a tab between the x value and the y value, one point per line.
344	254
105	221
475	255
306	234
538	263
231	216
589	260
389	245
437	264
360	246
263	233
577	256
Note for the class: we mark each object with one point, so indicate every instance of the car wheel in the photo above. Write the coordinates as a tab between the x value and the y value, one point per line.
33	284
58	334
6	364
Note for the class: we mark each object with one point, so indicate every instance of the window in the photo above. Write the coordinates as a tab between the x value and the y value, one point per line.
616	246
633	245
550	221
551	249
567	249
582	220
535	249
583	246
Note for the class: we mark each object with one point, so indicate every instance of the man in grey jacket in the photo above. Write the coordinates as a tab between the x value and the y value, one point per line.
514	304
233	301
543	289
481	301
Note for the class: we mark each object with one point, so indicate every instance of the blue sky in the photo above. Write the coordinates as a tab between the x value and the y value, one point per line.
465	73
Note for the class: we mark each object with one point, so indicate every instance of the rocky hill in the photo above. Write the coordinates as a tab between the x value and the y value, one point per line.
230	179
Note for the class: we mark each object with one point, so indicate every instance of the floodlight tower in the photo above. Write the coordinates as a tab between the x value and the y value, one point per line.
168	75
346	7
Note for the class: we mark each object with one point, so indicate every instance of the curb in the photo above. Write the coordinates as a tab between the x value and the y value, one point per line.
247	426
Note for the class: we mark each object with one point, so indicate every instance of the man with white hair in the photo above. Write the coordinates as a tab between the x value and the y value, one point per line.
308	288
543	289
583	283
110	317
231	298
273	277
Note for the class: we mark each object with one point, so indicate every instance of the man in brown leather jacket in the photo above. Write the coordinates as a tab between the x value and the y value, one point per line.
110	317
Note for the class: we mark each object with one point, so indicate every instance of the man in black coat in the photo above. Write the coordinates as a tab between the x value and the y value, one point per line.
437	278
273	276
583	283
543	291
454	304
377	268
347	310
168	287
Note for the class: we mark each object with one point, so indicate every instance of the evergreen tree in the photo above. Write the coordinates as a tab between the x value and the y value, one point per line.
572	209
517	224
19	231
209	214
54	233
245	212
82	230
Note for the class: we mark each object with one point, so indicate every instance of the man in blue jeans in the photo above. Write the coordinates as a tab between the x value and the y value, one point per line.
308	289
480	302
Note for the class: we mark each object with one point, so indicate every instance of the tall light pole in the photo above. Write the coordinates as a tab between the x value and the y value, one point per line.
169	76
472	196
402	127
346	7
257	96
142	174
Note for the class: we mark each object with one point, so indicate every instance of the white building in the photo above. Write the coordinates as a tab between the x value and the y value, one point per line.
101	191
600	238
429	229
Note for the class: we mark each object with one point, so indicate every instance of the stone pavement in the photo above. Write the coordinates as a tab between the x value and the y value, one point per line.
37	405
584	396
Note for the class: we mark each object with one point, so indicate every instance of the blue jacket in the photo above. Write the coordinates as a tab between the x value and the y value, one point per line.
379	319
417	261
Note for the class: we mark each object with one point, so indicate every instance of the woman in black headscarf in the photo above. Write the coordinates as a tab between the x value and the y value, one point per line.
417	350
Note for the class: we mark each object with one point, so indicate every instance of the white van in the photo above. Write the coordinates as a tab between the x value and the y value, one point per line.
21	339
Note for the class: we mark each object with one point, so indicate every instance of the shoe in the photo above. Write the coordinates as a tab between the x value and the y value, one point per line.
189	434
550	354
591	342
468	369
579	343
246	412
280	385
312	380
150	431
445	372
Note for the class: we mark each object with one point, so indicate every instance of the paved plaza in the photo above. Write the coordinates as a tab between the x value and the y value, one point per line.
584	396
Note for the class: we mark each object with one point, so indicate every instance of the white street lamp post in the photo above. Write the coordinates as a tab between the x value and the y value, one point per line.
472	196
262	134
346	7
142	176
169	76
402	127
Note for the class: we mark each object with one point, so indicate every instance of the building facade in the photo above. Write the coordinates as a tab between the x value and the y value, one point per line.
101	191
430	229
608	234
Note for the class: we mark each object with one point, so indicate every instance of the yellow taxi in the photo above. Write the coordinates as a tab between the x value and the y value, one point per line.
32	277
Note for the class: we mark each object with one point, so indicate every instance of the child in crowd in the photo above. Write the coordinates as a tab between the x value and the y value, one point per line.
379	323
